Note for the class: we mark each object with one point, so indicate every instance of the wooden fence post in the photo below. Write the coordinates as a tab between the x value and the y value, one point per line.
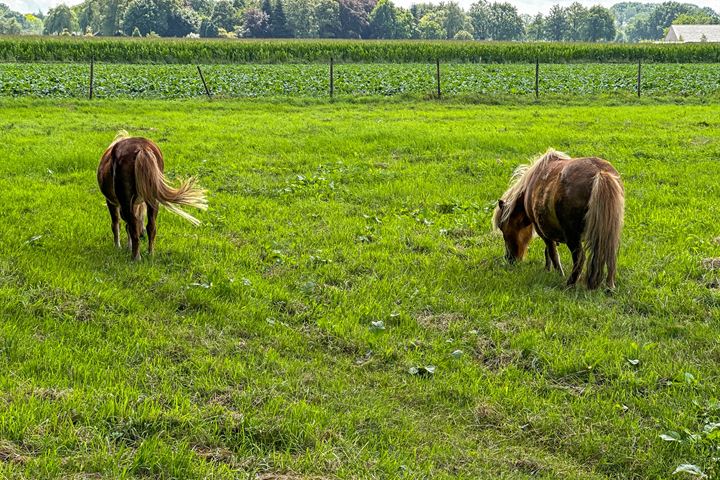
92	77
639	78
437	64
207	90
332	78
537	78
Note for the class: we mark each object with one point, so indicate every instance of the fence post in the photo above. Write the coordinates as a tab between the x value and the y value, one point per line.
437	64
537	78
207	90
639	76
332	79
92	77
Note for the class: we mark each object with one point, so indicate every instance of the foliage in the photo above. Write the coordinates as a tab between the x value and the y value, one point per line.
59	19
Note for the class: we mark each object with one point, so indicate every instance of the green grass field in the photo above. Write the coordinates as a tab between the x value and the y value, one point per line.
250	347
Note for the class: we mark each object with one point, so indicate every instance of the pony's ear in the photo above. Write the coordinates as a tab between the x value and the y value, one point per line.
501	203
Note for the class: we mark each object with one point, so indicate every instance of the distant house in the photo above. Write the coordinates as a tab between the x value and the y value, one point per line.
693	33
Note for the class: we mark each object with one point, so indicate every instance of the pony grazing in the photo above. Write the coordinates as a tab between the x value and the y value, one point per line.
565	200
131	177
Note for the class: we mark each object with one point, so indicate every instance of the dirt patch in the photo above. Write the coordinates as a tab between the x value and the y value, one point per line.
287	476
51	393
11	453
711	263
528	466
438	321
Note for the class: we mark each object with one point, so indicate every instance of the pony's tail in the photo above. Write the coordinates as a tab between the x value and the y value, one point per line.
603	224
154	188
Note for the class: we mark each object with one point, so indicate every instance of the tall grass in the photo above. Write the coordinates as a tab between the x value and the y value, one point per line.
131	50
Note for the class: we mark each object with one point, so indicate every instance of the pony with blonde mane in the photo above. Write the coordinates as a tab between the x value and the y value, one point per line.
565	200
131	177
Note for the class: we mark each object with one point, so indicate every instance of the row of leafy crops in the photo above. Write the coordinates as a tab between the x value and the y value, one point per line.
312	80
218	51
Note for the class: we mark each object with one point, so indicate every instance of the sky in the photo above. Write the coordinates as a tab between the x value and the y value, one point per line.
523	6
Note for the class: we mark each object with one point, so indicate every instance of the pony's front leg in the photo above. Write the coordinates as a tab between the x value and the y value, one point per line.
555	258
552	259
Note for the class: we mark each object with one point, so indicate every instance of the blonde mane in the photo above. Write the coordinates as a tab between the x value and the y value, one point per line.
120	135
518	184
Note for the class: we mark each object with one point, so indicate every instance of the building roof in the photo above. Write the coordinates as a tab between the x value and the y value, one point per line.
693	33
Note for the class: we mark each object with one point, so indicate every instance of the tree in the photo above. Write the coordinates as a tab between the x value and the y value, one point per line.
700	18
266	9
204	8
418	10
354	17
327	13
224	15
33	24
576	22
505	23
455	19
480	18
113	15
302	19
181	20
431	26
90	16
405	26
256	23
145	15
208	29
166	18
10	26
59	19
535	30
278	21
555	24
383	20
600	25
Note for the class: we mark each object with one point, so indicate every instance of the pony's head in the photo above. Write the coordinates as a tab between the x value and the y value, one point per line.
510	216
516	228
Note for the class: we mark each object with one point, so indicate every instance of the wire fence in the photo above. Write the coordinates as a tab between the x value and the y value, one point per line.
432	79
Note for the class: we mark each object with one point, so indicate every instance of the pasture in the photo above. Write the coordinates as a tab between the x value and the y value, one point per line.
346	249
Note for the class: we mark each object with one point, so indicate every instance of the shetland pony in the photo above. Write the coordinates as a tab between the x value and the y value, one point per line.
565	200
131	177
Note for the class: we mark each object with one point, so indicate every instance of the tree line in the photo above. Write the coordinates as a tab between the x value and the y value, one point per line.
379	19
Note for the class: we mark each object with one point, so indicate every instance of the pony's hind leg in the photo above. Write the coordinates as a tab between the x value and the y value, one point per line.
611	267
141	214
115	217
152	212
595	271
134	228
578	256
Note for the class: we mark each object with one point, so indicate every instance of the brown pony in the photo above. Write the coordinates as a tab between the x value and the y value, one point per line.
131	177
568	201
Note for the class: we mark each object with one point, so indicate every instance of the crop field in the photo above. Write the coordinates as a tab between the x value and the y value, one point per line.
344	310
224	51
312	80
